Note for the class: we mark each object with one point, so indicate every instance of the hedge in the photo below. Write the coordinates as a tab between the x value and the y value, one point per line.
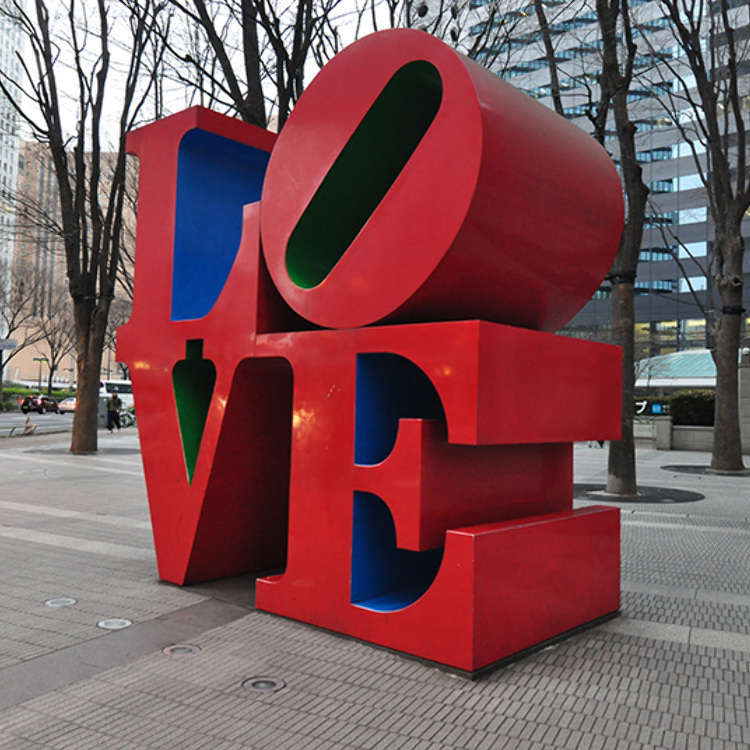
693	408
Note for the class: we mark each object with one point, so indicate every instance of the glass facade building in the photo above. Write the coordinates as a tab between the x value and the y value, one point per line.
678	233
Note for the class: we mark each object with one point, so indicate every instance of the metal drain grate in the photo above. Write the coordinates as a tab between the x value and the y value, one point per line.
264	684
114	623
61	601
181	649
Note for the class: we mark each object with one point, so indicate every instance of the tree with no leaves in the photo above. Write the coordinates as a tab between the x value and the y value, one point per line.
710	110
227	50
55	331
104	48
17	294
251	57
608	102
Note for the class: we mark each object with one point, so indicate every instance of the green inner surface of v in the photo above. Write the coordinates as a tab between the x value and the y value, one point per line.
193	379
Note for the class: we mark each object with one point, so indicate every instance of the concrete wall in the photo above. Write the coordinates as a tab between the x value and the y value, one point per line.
744	376
643	430
686	438
667	436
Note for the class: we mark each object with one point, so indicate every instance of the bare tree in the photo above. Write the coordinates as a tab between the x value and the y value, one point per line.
16	314
608	103
110	50
251	57
125	287
616	80
228	50
493	41
709	108
56	332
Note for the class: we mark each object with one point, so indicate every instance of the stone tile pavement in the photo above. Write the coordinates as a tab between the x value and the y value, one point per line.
672	672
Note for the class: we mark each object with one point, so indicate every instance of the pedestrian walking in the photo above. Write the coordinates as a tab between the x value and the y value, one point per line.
114	404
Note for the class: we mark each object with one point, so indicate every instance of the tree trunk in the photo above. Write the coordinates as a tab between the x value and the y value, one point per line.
85	417
49	380
621	465
91	324
2	376
727	448
253	109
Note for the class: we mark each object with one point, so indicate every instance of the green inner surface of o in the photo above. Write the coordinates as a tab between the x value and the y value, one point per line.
193	379
363	172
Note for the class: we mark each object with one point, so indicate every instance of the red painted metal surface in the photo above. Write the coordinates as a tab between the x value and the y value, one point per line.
495	205
210	527
565	564
478	458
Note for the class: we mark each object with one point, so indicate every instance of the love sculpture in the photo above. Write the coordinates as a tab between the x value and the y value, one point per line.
370	402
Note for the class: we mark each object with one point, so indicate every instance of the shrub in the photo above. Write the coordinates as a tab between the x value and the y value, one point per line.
693	408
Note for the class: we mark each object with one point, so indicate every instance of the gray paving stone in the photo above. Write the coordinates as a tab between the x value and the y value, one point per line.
674	673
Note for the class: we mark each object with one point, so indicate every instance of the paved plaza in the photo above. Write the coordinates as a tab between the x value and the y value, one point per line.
673	671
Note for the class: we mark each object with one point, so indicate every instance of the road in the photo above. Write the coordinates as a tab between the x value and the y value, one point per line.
16	421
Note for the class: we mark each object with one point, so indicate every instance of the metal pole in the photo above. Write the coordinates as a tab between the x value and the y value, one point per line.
40	360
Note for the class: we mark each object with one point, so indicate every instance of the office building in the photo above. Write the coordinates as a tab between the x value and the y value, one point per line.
40	259
506	39
10	69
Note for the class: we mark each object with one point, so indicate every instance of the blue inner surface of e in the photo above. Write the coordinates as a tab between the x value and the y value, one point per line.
384	577
389	388
216	177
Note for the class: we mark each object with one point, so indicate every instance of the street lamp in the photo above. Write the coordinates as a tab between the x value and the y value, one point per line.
40	360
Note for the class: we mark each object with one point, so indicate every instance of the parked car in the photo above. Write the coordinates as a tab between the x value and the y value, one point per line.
40	403
67	405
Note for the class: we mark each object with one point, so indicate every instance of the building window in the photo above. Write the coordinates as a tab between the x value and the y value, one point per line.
692	333
655	220
655	154
656	254
653	123
693	249
655	285
698	284
660	186
689	182
576	111
692	215
683	149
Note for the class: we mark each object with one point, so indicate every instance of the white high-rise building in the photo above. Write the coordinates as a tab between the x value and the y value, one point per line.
10	70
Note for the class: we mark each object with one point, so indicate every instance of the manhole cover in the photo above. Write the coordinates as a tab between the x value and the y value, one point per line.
181	649
264	684
646	495
114	623
61	601
697	469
